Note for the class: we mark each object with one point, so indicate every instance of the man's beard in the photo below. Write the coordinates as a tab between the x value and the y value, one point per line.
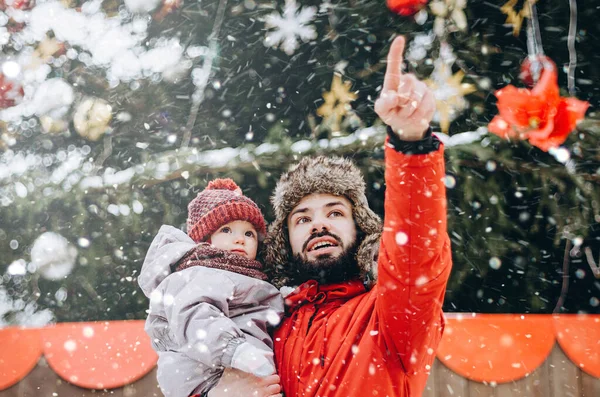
327	269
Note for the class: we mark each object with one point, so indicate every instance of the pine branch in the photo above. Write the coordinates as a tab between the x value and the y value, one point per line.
171	165
207	70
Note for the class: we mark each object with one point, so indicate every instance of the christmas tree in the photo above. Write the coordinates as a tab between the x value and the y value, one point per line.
114	115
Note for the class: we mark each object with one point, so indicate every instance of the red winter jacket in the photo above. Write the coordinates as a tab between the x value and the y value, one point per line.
341	340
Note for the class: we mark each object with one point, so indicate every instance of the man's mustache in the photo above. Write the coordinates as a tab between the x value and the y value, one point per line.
321	234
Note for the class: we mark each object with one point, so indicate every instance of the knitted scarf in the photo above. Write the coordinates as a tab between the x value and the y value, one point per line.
209	256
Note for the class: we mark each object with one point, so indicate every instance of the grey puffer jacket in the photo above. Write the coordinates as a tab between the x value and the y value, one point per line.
199	316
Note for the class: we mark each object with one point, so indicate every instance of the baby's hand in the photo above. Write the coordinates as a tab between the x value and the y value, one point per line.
253	360
236	383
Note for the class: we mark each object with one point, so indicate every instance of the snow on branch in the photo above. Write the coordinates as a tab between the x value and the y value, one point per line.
60	174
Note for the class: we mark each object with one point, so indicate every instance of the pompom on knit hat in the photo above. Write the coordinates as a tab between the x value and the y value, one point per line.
326	175
219	203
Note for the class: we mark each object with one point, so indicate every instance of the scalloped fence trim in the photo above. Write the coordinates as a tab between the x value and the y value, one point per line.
501	348
487	348
20	353
94	355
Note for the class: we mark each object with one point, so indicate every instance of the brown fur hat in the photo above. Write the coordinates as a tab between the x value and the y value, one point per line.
328	175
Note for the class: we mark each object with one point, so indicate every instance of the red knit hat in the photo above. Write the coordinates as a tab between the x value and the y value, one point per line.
219	203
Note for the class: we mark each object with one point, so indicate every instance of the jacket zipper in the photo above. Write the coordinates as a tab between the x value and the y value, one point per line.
310	321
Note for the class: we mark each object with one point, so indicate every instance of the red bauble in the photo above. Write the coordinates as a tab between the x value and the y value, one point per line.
168	6
13	26
406	7
17	4
541	62
11	92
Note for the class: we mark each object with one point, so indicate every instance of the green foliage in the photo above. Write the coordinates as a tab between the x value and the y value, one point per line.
511	207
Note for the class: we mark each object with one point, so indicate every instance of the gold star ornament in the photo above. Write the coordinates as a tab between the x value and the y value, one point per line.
337	103
92	118
514	17
449	91
46	49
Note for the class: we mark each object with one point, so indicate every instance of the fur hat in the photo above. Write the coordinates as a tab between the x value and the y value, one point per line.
326	175
220	203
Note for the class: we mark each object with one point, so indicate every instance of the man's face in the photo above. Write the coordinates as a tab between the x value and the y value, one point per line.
321	228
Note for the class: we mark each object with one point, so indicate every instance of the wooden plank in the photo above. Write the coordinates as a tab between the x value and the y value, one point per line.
563	374
539	381
430	387
66	389
145	387
43	381
477	389
590	386
449	384
33	383
557	377
512	389
536	384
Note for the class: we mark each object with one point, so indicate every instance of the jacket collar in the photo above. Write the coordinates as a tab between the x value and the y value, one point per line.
315	293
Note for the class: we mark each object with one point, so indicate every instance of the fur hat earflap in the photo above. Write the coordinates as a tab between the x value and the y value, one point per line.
326	175
367	256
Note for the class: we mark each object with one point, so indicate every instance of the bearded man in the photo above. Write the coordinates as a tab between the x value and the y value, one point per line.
340	337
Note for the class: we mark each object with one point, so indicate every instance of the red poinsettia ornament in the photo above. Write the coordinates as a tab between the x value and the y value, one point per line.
11	92
540	114
406	7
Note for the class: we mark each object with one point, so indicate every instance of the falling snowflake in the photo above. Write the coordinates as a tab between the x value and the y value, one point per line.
449	16
16	311
420	46
53	256
4	36
289	26
141	6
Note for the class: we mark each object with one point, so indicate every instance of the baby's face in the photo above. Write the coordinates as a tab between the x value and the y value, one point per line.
239	237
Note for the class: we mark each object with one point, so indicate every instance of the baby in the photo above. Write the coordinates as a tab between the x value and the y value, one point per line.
210	305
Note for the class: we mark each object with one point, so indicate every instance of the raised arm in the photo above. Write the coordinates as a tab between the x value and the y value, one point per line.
414	259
